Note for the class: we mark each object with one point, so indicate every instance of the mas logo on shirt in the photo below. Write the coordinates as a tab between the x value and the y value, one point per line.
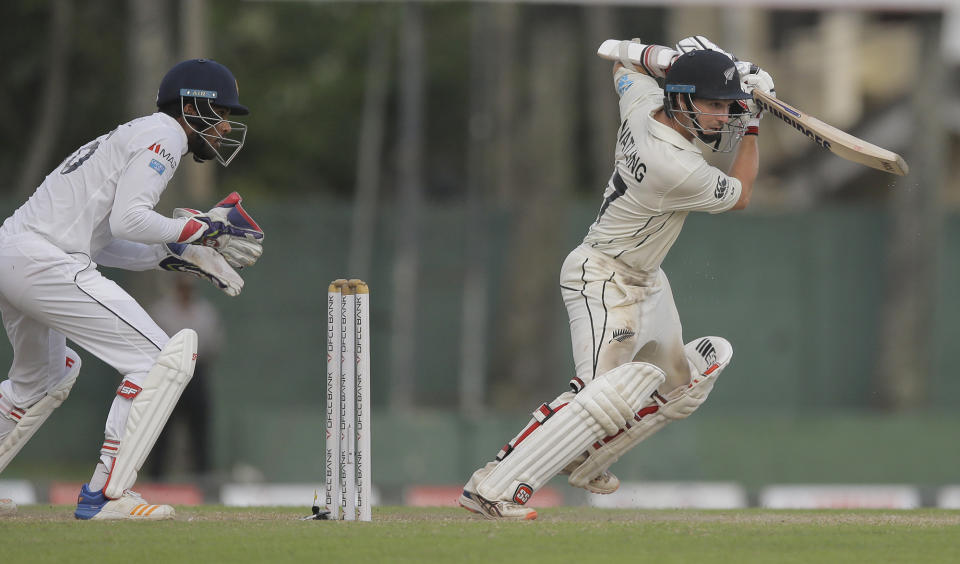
164	154
623	84
721	189
157	166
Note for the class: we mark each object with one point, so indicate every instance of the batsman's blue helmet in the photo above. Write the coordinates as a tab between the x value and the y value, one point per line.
201	78
705	74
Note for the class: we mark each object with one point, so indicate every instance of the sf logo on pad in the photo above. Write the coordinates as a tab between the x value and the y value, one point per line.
523	494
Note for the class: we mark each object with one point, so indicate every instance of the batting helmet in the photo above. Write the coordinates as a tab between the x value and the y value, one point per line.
708	75
201	78
705	74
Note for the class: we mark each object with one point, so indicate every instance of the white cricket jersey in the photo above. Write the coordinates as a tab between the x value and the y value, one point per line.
658	178
107	190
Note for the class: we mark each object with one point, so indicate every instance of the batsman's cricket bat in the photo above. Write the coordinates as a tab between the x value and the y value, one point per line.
829	137
837	141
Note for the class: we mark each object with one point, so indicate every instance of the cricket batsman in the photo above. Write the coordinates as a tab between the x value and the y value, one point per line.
633	372
96	209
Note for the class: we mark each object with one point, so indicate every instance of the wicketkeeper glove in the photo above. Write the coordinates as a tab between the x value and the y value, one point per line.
203	262
228	228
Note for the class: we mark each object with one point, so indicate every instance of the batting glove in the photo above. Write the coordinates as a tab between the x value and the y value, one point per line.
700	43
757	79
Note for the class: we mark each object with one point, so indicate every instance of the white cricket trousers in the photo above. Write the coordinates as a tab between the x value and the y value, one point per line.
47	296
618	315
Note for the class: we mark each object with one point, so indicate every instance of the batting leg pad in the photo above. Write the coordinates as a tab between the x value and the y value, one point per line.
561	434
708	356
150	409
33	417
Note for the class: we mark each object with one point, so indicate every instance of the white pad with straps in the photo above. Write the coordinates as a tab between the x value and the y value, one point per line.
708	356
600	409
37	414
151	408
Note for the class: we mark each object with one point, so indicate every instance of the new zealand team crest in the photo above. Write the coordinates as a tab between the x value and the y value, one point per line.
721	189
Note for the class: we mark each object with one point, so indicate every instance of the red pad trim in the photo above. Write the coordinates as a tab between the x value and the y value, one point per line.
711	369
533	427
109	476
646	411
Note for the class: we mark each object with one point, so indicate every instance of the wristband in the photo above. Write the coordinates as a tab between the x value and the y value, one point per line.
752	130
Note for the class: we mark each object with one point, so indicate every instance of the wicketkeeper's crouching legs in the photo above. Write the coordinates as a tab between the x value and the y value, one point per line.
708	356
559	435
18	424
138	414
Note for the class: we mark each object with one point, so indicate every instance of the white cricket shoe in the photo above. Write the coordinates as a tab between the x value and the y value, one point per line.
7	507
492	509
498	509
131	506
604	483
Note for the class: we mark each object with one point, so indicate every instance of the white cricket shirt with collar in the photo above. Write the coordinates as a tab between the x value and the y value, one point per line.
659	177
107	190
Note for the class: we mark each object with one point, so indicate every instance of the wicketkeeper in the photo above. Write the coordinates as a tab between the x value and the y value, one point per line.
633	372
96	208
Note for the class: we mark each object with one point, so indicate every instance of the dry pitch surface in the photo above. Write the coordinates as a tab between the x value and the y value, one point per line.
574	534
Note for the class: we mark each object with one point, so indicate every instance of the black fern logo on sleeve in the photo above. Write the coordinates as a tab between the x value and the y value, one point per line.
721	189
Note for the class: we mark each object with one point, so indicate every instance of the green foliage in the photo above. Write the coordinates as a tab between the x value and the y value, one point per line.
95	84
300	67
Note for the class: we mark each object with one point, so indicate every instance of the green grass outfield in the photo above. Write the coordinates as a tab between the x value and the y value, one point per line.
571	534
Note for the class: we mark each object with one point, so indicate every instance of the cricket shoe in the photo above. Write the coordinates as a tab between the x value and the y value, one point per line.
131	506
7	507
604	483
498	509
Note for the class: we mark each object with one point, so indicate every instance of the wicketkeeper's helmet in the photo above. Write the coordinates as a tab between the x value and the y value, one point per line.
204	78
206	84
